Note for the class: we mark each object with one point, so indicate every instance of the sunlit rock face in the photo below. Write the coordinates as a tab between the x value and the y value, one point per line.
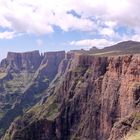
92	98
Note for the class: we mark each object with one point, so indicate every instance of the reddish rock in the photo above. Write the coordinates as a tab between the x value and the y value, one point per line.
94	95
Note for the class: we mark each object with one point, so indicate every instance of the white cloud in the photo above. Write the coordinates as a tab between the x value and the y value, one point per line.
69	22
40	16
88	43
7	35
107	32
110	24
136	37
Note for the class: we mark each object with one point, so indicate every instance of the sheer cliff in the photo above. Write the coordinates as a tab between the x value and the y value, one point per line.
91	98
23	79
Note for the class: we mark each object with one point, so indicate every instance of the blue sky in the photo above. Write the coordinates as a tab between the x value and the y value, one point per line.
45	25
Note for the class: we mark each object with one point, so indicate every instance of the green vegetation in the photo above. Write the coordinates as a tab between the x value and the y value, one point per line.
18	82
52	111
37	73
107	53
1	114
89	70
80	81
1	131
46	80
79	69
75	138
49	110
134	136
2	75
135	133
137	116
135	86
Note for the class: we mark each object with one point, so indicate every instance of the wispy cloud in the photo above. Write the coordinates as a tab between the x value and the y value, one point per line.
7	35
88	43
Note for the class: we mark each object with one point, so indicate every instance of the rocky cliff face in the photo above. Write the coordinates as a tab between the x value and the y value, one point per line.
91	98
23	79
21	61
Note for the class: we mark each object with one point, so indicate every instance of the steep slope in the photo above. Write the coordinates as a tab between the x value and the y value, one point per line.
92	98
23	78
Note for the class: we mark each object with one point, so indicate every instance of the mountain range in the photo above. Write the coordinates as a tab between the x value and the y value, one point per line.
78	95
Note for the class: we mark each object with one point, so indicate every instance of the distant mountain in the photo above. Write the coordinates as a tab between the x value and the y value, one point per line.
127	47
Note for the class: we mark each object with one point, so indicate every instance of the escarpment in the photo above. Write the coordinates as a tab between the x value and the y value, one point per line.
91	98
23	79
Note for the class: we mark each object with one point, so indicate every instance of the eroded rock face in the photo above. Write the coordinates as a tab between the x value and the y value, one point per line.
23	78
22	61
90	101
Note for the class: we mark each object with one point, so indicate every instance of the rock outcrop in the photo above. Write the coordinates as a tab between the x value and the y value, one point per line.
92	98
